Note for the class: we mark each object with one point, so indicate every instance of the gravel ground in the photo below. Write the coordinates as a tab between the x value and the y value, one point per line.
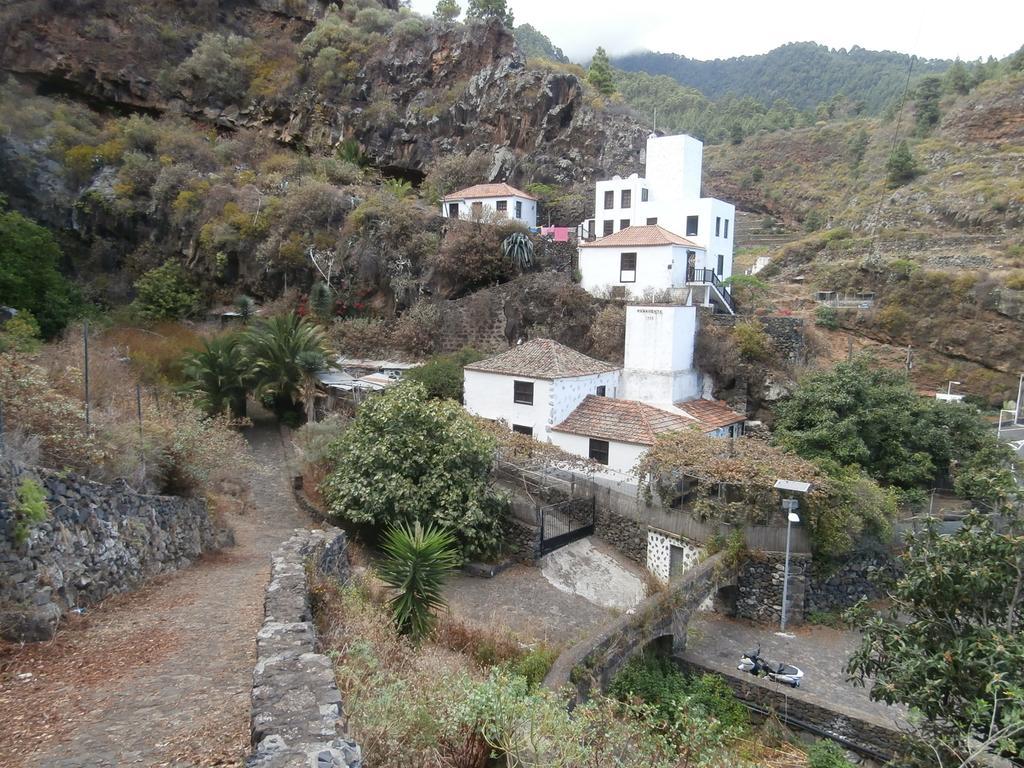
161	676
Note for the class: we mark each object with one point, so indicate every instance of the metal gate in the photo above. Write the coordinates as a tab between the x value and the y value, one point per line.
565	522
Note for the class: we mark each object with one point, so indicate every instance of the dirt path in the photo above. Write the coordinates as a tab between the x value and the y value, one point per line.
160	677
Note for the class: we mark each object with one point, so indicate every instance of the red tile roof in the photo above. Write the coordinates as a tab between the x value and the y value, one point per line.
641	235
625	421
488	190
542	359
711	414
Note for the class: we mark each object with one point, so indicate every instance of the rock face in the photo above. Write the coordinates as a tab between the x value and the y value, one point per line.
98	540
296	705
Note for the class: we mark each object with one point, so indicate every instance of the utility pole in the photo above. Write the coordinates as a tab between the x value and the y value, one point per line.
1020	391
849	349
85	347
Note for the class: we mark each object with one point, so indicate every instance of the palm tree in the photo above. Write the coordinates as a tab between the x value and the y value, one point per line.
275	348
219	374
417	564
519	248
310	363
246	307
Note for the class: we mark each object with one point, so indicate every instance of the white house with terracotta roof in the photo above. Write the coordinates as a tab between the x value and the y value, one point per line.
655	232
494	199
536	385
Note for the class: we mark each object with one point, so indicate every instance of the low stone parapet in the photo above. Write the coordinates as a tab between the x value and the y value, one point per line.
296	719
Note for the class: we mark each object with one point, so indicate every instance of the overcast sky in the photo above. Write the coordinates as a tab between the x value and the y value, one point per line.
712	30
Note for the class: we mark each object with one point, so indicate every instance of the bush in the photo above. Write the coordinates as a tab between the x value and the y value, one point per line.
30	508
471	255
219	69
535	665
826	317
607	334
751	340
827	754
359	336
20	334
442	376
406	458
417	329
166	293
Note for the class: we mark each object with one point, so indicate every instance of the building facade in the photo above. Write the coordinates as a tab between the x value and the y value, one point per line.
486	200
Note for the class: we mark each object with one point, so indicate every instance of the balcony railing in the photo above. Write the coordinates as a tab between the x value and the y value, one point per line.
695	275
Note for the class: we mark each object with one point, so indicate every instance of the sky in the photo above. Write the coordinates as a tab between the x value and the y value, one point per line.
710	30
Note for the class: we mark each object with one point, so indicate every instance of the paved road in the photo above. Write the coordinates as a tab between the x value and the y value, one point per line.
821	652
160	677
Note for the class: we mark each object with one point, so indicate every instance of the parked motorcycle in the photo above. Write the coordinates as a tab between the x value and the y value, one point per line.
757	665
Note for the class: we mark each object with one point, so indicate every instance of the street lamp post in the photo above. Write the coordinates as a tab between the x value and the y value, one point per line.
789	506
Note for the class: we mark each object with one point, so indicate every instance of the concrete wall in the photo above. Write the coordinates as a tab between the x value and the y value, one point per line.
622	457
656	268
659	354
98	540
635	213
489	206
491	396
659	554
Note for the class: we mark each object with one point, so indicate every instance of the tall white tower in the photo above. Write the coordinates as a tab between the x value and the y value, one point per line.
659	354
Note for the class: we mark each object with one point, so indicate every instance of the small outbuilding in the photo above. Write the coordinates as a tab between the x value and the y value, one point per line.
494	199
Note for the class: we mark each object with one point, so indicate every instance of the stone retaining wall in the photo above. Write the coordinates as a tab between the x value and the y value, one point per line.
850	580
867	738
759	587
625	534
296	706
99	540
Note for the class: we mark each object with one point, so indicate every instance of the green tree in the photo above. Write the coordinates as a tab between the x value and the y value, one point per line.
957	79
407	458
29	276
491	9
20	334
447	10
856	414
166	293
279	350
311	362
951	645
442	375
246	308
417	562
219	374
600	73
900	167
321	301
857	146
926	104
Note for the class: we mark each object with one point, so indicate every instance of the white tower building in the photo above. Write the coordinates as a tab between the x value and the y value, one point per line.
659	354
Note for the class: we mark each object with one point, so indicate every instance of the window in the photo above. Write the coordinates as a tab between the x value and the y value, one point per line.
599	451
652	221
627	268
726	235
609	227
627	198
602	390
523	430
623	223
453	210
501	206
721	264
718	226
609	200
519	209
691	225
644	195
523	392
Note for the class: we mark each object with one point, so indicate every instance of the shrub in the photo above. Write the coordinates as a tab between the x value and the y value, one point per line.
416	565
607	334
442	376
826	317
751	340
166	293
827	754
900	167
453	172
30	508
417	329
20	334
219	68
471	255
359	336
407	458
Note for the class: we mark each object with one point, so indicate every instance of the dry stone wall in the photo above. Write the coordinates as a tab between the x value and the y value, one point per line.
97	540
296	718
759	587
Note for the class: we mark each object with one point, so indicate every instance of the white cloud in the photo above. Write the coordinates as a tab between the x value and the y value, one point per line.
937	29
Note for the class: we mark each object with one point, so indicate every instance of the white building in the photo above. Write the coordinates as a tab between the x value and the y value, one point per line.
536	385
668	197
659	354
491	199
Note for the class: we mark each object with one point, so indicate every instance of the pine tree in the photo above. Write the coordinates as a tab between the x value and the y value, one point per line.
926	104
600	73
447	10
900	167
491	9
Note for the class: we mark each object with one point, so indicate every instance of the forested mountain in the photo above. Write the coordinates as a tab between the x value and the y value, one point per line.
804	74
536	45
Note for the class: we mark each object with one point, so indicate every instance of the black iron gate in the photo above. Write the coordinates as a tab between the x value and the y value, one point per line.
565	522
